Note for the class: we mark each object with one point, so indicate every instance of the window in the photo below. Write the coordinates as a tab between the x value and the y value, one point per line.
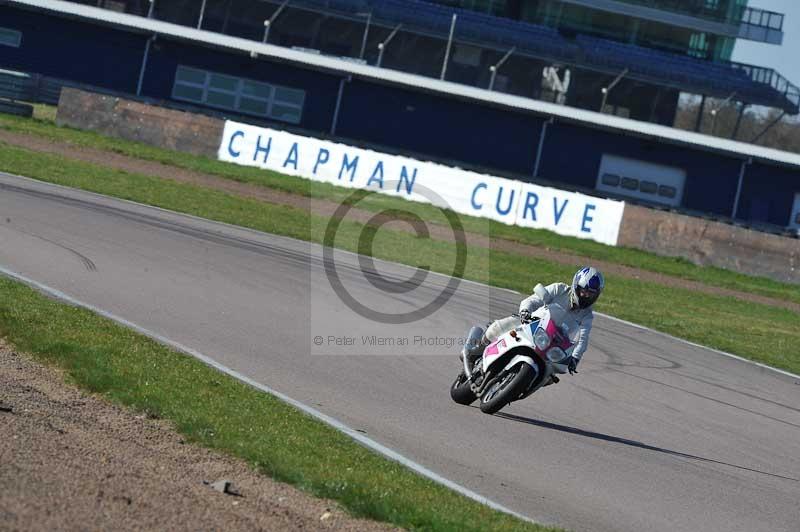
654	183
190	75
467	55
492	7
238	94
253	89
186	92
797	218
288	104
618	110
698	45
611	180
252	106
667	192
9	37
114	5
648	187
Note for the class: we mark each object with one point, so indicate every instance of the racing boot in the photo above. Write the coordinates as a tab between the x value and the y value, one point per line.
553	380
474	345
474	351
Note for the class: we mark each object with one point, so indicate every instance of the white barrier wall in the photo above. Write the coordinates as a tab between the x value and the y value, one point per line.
505	200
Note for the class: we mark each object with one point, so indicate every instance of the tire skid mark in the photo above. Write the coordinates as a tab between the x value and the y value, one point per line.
614	359
737	390
718	401
87	262
675	365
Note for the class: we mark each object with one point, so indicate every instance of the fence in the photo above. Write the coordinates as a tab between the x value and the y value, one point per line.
33	88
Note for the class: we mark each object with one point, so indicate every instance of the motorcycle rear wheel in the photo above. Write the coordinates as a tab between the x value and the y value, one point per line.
461	392
507	388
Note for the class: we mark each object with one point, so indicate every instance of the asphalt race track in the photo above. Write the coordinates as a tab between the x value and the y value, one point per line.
653	434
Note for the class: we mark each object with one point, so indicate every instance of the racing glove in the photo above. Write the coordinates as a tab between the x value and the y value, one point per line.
524	315
573	365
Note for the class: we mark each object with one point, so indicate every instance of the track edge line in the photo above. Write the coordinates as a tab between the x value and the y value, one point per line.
328	420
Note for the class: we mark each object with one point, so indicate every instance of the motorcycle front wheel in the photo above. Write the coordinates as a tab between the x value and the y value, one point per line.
461	392
506	388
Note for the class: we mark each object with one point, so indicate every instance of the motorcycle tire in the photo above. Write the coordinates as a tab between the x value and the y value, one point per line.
460	391
511	386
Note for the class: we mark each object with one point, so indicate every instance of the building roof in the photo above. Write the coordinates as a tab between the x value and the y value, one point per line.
414	82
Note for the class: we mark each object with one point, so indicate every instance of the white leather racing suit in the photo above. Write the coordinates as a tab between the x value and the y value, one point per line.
556	293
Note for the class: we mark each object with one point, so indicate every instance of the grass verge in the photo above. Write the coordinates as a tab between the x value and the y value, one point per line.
676	267
219	412
759	332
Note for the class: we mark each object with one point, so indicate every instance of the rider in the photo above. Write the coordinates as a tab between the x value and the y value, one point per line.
587	284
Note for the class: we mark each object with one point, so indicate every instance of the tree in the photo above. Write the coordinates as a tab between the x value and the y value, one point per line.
783	135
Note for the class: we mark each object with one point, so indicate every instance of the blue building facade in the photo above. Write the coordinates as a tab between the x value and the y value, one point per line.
497	138
72	50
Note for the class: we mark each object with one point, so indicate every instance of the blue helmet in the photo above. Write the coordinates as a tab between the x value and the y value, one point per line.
587	284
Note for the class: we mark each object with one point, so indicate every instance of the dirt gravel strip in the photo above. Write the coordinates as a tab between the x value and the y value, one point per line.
325	208
72	461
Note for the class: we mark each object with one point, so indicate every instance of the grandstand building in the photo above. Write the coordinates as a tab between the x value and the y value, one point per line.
632	58
510	88
686	38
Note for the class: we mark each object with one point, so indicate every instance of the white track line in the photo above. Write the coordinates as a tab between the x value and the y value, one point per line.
336	424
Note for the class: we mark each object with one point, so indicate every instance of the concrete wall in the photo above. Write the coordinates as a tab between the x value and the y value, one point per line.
704	242
126	119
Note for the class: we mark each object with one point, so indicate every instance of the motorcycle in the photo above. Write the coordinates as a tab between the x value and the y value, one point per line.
519	362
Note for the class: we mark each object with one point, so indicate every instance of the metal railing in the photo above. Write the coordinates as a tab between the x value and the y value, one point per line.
762	18
700	8
773	79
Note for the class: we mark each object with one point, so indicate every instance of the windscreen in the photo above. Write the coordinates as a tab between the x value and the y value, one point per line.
564	321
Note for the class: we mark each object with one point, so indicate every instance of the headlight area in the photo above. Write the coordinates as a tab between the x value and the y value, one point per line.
540	339
556	355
